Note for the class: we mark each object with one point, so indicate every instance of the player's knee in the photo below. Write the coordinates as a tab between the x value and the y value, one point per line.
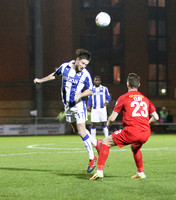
109	141
132	148
94	125
135	148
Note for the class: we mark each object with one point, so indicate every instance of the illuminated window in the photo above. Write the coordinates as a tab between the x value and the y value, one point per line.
115	2
152	72
116	35
162	72
152	27
161	3
116	72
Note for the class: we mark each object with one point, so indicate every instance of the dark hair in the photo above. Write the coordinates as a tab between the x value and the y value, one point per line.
97	77
133	80
83	54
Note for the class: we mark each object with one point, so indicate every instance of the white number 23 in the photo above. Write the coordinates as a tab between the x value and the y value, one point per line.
137	112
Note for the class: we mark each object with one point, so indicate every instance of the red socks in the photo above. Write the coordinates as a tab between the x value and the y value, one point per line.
138	160
103	155
104	152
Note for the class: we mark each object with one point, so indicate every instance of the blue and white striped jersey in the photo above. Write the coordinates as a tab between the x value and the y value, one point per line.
98	97
72	81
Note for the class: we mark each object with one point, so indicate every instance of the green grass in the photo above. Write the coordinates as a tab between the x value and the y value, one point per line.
58	171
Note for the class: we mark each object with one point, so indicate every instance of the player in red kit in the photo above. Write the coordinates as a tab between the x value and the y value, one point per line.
136	109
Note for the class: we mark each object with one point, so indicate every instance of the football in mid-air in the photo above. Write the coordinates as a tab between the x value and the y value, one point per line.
102	19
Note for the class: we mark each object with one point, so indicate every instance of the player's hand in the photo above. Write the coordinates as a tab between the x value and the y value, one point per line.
88	108
77	96
105	104
37	81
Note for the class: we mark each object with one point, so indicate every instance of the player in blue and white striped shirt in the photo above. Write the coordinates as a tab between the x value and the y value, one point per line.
76	85
98	100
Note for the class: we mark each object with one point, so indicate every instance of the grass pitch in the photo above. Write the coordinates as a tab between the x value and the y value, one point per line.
54	167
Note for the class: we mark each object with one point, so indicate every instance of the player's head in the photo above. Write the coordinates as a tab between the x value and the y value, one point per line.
97	81
83	54
83	57
133	81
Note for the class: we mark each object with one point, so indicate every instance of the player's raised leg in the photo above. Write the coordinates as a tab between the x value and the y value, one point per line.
92	139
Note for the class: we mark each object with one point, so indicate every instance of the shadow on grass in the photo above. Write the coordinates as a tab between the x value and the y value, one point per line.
82	175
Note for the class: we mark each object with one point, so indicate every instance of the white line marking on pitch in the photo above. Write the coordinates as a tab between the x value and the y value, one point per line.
73	150
38	146
32	153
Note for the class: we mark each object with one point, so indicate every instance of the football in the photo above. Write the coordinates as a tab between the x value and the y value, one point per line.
102	19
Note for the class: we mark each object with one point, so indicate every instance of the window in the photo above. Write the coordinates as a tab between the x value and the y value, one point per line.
161	28
116	73
116	35
157	80
115	3
152	72
159	3
152	27
161	44
157	85
162	89
161	72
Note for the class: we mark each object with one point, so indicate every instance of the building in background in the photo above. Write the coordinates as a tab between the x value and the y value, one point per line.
140	39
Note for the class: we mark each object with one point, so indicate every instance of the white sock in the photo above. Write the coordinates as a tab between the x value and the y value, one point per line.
88	145
92	139
100	172
140	173
105	131
93	132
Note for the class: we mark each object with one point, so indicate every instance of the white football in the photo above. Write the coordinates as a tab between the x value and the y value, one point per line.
102	19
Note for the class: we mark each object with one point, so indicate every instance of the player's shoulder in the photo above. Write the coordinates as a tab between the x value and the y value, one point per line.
138	94
124	95
67	64
86	72
103	87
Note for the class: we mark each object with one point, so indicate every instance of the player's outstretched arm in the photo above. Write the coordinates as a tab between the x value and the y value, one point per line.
112	118
154	118
44	79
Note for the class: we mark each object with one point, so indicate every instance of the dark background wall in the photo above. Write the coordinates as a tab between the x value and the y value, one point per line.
65	26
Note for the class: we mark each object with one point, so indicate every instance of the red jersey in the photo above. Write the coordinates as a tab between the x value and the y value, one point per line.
135	109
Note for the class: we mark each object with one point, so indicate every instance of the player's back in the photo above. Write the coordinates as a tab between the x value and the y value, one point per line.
135	111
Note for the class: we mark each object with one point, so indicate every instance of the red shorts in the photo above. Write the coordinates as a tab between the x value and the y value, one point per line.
123	138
